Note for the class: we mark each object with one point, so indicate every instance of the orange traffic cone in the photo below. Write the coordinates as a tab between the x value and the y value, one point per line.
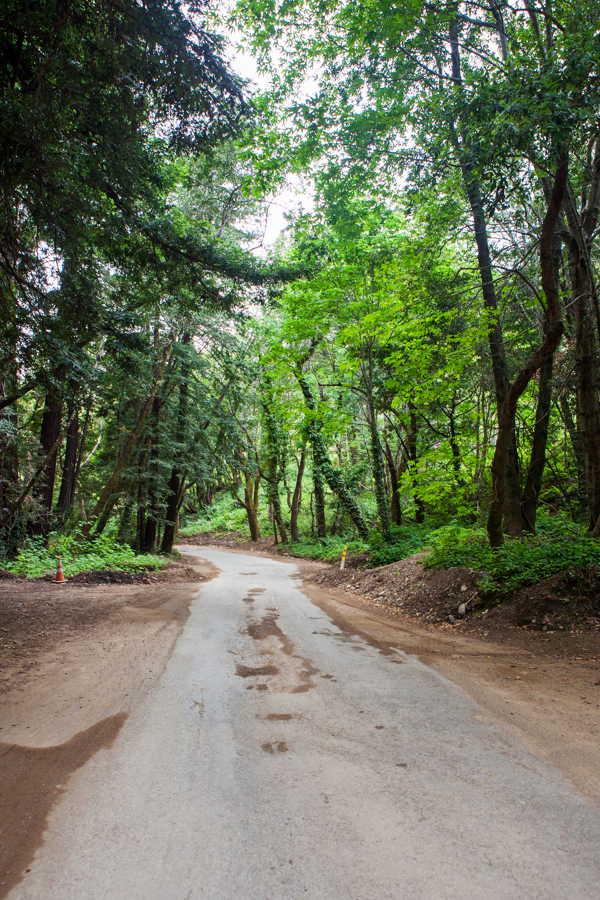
59	572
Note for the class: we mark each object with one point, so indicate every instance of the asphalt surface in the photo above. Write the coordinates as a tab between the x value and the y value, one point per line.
281	758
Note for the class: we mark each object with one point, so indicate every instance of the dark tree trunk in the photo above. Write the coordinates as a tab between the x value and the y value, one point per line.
512	520
251	497
50	430
9	457
319	494
66	496
132	440
411	443
275	460
537	462
297	497
151	525
171	521
51	422
582	228
588	409
551	341
379	474
323	465
174	486
395	509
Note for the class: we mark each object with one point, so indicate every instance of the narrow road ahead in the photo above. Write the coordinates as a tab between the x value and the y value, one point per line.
281	758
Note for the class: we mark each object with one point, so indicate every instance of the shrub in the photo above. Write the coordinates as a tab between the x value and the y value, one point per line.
223	515
99	554
521	561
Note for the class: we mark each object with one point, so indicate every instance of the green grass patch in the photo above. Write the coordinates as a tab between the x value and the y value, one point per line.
520	562
99	554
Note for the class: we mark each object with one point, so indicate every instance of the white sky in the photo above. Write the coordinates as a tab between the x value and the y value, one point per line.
296	196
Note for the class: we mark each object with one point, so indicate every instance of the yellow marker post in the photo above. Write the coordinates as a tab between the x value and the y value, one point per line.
343	562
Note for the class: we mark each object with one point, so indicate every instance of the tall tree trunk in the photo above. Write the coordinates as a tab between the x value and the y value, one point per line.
379	473
297	497
395	509
411	443
537	462
251	497
128	449
319	494
66	496
582	228
174	486
51	422
7	513
512	519
275	457
332	476
551	341
151	525
9	456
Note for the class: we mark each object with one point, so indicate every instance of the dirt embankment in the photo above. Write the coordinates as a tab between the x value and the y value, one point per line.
74	660
568	602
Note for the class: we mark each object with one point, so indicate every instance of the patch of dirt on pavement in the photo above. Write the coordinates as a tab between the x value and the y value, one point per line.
31	780
75	659
542	687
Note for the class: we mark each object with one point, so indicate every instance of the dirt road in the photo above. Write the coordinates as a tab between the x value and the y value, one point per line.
280	756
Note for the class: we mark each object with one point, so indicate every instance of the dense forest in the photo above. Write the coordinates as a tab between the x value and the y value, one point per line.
412	362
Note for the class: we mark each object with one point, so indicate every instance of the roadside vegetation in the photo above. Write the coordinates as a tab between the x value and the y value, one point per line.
412	366
39	556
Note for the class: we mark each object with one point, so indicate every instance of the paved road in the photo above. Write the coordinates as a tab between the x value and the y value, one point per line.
280	758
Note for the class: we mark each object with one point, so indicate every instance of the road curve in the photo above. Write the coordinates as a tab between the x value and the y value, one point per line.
281	758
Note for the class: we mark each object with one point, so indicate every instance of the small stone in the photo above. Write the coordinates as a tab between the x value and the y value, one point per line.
462	609
452	620
463	588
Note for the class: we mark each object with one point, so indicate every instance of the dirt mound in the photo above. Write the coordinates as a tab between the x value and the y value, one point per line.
430	594
567	601
564	602
8	576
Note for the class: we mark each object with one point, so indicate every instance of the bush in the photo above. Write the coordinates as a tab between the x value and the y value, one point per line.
78	555
223	515
406	541
521	561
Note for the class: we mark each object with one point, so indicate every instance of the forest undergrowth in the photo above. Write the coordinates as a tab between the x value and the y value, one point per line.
39	557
